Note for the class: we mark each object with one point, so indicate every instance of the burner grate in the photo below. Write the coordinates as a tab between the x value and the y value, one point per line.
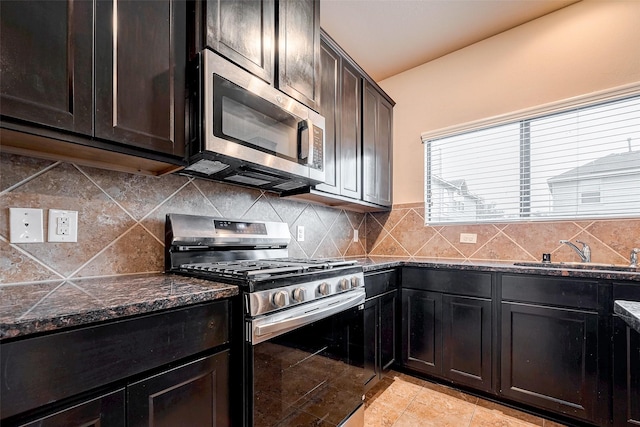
264	269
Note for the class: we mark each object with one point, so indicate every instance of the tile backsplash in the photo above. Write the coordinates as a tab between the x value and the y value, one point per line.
122	216
121	225
401	233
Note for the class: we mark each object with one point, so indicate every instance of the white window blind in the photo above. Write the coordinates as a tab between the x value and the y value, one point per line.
577	164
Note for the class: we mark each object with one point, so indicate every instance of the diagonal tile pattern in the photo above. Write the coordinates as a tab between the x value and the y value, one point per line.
402	232
400	400
121	227
122	216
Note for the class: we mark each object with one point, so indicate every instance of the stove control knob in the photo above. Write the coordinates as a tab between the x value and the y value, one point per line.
343	284
355	281
298	294
324	288
280	299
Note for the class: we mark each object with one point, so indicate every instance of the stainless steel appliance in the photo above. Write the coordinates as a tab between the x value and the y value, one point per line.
301	321
248	132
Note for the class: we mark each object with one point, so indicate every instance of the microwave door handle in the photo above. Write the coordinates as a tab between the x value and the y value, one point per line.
305	141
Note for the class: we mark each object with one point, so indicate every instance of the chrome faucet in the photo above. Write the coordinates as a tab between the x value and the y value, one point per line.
584	253
634	257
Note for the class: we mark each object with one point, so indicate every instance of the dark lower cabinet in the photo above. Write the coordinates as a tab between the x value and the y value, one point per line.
380	320
422	331
448	336
466	335
192	395
153	373
550	358
626	375
447	325
103	411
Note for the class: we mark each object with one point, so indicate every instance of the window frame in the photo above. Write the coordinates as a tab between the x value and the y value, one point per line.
524	118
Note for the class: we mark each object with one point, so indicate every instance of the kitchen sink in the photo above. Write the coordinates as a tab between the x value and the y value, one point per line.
580	266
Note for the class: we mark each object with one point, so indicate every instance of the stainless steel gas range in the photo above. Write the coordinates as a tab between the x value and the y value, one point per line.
302	319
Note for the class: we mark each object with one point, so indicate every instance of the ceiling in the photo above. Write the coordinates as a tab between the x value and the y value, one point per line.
387	37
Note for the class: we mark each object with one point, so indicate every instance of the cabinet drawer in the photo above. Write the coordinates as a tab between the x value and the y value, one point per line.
553	291
380	282
626	291
45	369
468	283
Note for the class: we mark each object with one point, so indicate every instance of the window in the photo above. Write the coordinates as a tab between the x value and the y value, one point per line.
580	163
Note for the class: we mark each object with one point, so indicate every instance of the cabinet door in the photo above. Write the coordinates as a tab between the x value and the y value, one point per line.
377	136
330	65
371	343
350	140
422	331
549	358
140	74
103	411
626	373
299	50
243	31
195	395
387	330
46	52
467	340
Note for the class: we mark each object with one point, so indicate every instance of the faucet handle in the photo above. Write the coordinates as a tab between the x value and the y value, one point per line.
634	257
584	245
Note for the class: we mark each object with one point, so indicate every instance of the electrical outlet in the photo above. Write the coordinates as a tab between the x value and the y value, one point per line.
355	234
300	233
468	238
25	225
63	226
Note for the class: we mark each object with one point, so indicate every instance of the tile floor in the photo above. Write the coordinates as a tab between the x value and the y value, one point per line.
400	400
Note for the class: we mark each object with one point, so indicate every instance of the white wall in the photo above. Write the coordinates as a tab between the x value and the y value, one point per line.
587	47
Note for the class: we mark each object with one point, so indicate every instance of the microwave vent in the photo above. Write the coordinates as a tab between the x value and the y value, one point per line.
247	180
290	185
207	167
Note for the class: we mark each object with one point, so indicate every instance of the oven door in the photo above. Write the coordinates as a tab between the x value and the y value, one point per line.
310	374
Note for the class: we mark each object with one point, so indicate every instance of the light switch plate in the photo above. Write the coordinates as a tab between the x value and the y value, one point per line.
63	226
25	225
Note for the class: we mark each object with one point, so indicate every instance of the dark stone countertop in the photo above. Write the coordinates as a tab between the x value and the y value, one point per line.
372	264
629	311
41	307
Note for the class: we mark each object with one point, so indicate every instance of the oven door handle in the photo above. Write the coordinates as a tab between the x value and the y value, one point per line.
274	328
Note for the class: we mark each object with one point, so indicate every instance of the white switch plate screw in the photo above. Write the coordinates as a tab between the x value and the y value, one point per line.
468	238
300	233
355	234
63	226
25	225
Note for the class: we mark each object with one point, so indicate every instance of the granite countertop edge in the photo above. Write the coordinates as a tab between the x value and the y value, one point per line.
134	295
629	311
148	293
373	264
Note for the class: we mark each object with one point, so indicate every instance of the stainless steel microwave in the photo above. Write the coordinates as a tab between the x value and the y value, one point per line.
249	133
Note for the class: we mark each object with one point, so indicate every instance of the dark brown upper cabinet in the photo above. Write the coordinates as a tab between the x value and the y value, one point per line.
340	104
243	32
100	83
47	53
278	42
140	74
299	50
377	137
